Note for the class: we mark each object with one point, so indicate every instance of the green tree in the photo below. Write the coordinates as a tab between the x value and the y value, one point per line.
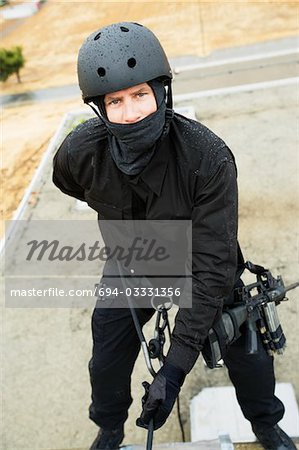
11	61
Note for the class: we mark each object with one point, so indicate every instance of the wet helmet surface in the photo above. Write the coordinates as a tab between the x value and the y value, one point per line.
119	56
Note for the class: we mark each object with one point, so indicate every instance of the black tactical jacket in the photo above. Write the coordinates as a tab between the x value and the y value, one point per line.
192	175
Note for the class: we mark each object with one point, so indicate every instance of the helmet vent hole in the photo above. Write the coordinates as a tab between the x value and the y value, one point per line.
124	29
101	72
97	36
138	24
132	62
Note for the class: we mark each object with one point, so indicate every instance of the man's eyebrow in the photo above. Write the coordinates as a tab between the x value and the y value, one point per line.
144	88
112	97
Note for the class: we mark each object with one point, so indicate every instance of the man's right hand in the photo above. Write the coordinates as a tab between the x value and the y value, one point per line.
160	396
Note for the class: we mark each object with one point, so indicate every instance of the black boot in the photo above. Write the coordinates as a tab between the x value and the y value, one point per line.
273	438
108	439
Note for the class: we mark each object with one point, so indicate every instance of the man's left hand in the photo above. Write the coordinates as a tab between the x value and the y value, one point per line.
160	396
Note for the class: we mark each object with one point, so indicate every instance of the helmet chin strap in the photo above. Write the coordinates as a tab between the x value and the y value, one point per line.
94	109
169	102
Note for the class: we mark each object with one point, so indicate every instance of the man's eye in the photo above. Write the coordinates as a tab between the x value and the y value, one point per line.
141	94
113	102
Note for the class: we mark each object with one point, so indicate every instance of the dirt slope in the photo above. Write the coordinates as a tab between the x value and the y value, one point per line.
52	37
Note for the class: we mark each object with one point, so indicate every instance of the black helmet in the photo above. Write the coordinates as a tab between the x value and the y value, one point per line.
119	56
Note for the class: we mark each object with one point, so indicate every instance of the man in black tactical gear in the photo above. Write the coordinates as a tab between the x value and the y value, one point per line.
140	160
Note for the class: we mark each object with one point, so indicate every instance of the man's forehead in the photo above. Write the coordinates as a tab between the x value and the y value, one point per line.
129	90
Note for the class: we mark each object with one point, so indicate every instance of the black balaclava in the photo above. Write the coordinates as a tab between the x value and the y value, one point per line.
133	145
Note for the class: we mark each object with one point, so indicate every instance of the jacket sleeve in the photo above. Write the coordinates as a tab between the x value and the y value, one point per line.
62	174
214	261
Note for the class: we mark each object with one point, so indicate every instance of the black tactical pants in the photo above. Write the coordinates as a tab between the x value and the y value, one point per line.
115	349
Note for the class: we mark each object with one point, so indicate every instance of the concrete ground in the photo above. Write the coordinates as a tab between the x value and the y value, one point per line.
252	446
46	351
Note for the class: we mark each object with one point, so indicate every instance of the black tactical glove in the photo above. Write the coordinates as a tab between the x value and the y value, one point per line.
160	396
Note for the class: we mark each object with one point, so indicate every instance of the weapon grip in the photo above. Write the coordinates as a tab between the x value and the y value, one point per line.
251	337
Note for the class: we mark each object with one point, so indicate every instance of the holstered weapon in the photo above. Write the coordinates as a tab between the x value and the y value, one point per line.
256	307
